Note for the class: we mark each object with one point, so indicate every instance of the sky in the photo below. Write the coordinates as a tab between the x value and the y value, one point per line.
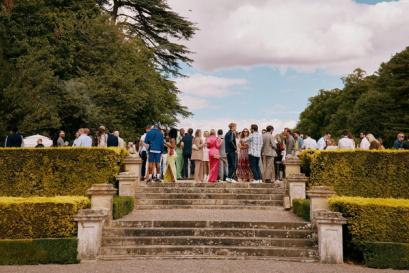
258	61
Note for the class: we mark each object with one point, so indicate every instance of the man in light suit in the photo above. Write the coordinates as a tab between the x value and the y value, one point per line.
268	152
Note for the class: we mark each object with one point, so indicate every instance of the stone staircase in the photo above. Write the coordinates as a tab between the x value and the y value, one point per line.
209	239
209	221
209	196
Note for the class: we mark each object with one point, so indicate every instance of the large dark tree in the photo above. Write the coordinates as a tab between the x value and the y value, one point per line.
64	65
158	26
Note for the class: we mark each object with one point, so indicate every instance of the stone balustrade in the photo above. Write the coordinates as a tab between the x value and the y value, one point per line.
296	186
318	196
90	225
101	198
133	164
127	183
292	166
330	243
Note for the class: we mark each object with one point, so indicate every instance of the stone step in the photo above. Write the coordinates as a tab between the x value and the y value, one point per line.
212	185
211	224
240	207
231	202
206	257
209	196
207	190
163	250
208	232
207	241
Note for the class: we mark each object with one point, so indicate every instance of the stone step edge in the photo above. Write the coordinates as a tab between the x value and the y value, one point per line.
211	247
205	257
239	207
207	229
123	238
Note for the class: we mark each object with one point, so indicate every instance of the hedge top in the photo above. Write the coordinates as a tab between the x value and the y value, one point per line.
368	173
56	171
362	201
73	200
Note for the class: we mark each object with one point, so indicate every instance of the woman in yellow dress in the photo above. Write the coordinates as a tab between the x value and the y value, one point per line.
170	170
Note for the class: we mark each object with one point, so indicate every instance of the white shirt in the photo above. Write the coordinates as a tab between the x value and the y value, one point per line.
364	144
121	143
322	144
346	143
255	141
142	147
84	141
309	143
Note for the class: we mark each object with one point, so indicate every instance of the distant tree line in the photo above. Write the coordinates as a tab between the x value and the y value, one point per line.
377	103
66	64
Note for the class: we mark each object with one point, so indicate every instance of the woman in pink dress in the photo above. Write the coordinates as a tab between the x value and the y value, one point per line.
213	143
243	168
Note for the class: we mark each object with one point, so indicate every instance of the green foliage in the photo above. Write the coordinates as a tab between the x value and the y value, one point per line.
376	103
374	219
384	254
64	65
381	173
158	26
122	205
39	217
57	171
38	251
301	207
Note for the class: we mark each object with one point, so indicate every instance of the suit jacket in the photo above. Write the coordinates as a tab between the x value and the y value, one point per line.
269	146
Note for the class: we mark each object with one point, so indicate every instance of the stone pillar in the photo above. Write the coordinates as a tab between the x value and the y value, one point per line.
329	225
133	165
296	186
292	166
127	184
318	196
90	225
101	198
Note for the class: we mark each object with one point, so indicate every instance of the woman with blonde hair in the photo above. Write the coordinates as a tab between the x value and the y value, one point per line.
213	143
374	143
197	155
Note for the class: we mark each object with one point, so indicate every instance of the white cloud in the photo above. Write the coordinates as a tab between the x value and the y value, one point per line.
334	35
198	89
222	123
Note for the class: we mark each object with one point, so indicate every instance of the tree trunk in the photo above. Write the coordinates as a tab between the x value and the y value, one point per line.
115	9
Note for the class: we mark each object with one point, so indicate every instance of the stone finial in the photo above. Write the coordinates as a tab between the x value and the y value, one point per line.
296	186
292	166
133	165
318	196
90	225
127	183
101	198
330	243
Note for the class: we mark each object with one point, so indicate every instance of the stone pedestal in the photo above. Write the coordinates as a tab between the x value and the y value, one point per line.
101	198
296	186
319	199
133	165
292	166
329	225
90	225
127	184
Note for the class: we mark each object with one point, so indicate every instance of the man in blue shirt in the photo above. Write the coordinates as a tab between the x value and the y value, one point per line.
155	143
399	141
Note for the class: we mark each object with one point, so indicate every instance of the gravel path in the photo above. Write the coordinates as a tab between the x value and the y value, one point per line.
191	266
248	215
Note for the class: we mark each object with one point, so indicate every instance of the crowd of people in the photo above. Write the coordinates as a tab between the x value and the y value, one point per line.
245	156
212	156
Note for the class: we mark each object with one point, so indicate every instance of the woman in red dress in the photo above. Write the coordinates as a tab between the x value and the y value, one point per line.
243	168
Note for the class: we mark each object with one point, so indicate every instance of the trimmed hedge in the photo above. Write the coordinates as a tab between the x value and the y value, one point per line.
384	254
382	174
38	251
39	217
374	219
122	205
56	171
301	207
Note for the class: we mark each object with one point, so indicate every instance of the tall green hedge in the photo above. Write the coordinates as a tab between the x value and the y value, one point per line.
374	219
39	217
382	174
301	207
38	251
122	205
56	171
384	254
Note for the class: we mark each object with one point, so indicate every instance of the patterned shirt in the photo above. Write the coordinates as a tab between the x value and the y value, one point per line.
255	141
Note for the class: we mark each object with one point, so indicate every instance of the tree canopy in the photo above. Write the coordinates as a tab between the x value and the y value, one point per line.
377	103
65	65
